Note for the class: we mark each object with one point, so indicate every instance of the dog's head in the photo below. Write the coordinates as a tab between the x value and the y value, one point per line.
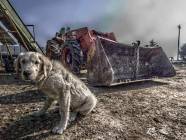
33	65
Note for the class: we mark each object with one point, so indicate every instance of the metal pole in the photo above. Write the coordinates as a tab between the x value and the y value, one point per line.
179	28
33	30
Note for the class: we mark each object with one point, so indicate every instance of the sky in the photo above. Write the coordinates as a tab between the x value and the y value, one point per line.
130	20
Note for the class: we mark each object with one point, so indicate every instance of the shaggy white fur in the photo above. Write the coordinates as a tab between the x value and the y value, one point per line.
58	84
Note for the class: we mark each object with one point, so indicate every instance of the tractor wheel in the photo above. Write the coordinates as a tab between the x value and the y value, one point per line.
72	56
53	50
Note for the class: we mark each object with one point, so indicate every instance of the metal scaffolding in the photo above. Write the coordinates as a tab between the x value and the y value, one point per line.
15	28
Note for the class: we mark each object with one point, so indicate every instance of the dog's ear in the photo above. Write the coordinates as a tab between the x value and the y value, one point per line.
46	65
17	64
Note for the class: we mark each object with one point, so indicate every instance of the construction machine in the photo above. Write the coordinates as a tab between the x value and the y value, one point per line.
74	48
107	61
13	32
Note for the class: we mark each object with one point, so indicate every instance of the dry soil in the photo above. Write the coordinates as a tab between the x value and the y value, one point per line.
140	111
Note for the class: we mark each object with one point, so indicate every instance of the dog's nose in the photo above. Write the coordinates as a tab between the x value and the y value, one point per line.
26	73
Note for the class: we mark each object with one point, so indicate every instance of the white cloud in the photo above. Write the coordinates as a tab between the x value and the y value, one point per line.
130	19
151	19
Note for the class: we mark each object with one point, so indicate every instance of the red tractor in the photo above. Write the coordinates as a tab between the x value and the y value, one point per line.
74	48
107	61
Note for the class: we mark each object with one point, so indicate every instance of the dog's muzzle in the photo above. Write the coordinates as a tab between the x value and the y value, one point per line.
27	74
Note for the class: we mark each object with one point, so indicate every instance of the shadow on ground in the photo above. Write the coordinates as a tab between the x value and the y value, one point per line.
11	79
127	87
35	128
29	127
31	96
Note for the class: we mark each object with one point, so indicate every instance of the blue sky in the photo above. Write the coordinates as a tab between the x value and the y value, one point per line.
49	16
130	20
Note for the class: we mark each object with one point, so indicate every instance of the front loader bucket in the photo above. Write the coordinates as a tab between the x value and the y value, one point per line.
115	63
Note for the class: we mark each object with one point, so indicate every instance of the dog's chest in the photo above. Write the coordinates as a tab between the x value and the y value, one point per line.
50	93
55	85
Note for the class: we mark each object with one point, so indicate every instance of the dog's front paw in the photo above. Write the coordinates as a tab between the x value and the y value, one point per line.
58	130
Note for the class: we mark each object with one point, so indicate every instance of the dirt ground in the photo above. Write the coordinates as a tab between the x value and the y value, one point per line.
140	111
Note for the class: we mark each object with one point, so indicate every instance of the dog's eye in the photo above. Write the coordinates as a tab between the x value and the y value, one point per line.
23	61
36	62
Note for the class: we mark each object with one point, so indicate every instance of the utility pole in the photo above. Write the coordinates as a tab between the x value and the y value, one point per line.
179	28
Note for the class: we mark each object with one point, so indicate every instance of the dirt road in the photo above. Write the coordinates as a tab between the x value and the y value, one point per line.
139	111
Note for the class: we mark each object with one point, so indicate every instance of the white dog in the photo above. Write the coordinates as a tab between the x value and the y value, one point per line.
58	84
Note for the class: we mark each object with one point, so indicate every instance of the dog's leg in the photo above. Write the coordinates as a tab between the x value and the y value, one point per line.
47	104
73	116
64	106
88	106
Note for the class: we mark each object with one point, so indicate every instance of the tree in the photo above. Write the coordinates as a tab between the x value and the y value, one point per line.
152	43
183	52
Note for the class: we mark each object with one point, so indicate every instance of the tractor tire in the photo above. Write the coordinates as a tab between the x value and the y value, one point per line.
53	50
72	56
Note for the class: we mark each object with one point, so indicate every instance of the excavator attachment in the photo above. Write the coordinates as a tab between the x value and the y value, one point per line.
115	63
